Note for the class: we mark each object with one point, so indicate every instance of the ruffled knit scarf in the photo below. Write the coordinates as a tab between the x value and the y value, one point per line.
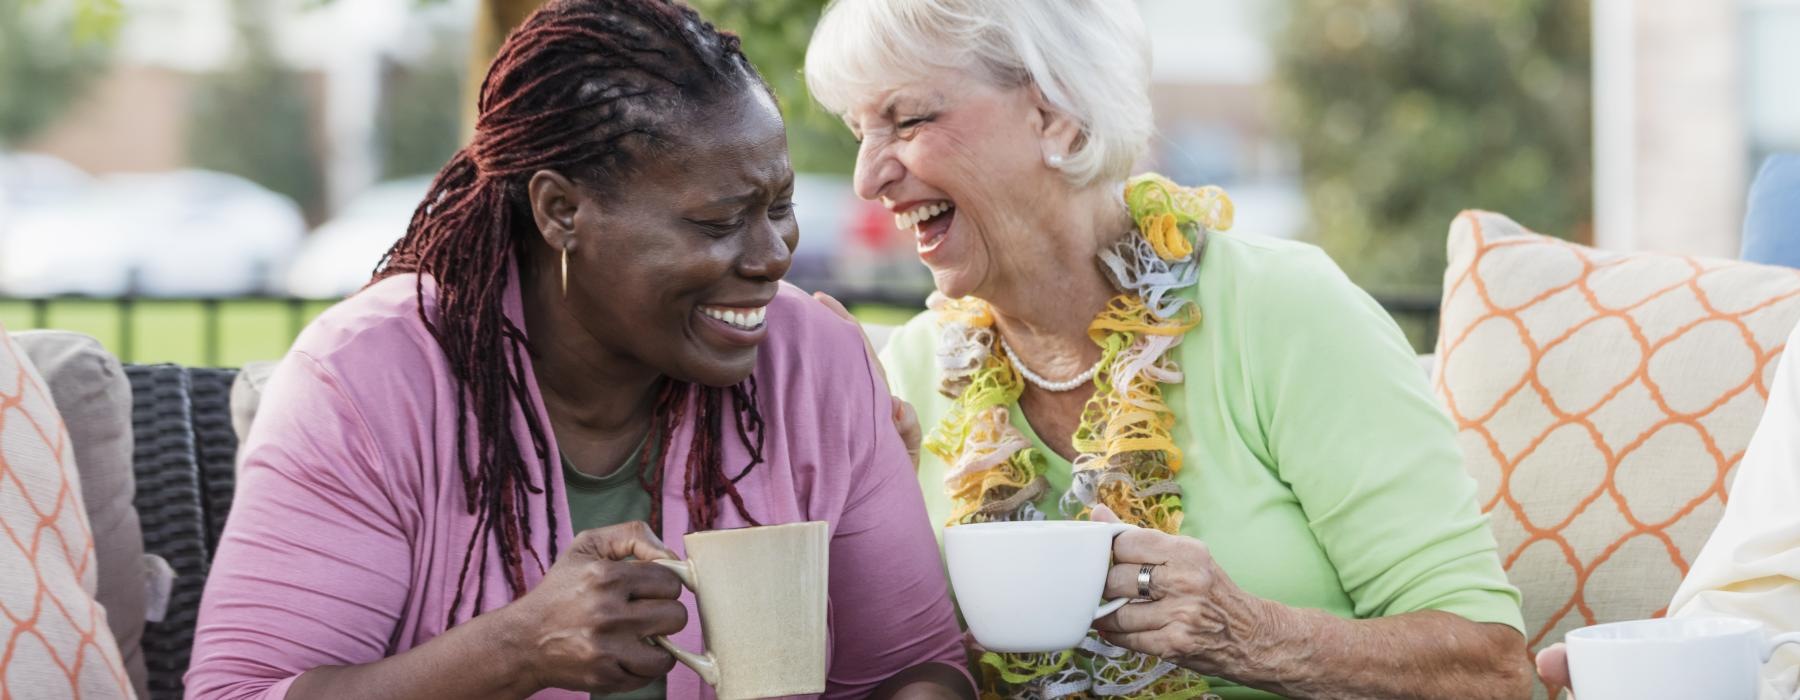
1128	459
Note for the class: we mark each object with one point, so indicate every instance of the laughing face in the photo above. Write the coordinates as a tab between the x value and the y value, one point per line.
674	269
960	163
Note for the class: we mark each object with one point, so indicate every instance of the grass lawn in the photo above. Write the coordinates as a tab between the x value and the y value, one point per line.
248	330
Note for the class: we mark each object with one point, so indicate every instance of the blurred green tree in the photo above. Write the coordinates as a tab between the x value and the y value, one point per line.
255	120
419	122
49	56
775	34
1406	112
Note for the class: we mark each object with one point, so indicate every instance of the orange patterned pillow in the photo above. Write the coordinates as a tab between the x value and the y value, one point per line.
1602	400
54	642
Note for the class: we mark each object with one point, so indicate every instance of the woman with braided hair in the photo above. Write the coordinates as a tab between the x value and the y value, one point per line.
1100	347
579	349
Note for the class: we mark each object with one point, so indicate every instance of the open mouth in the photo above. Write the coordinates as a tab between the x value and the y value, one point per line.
928	222
740	318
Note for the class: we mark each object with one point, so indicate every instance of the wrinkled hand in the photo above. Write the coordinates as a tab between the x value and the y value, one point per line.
584	626
1195	616
906	420
1553	666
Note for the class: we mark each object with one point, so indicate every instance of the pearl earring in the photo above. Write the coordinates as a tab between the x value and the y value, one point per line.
1055	160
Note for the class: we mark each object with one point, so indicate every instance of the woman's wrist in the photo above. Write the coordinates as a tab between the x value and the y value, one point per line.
511	647
1251	639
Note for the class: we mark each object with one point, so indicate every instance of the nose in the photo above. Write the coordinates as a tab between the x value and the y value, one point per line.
876	169
772	253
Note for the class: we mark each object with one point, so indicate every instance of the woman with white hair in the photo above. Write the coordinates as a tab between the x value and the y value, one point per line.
1099	346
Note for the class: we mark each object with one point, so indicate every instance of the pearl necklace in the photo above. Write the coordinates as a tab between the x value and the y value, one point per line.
1040	382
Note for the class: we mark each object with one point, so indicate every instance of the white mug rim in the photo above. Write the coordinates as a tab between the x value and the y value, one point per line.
1031	525
1693	629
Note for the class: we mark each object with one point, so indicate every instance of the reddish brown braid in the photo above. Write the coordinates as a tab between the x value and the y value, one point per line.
586	88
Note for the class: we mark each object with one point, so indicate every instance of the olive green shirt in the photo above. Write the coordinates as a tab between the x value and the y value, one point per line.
1317	465
618	497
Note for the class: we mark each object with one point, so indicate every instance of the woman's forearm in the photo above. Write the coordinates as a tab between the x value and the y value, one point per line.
478	659
1304	653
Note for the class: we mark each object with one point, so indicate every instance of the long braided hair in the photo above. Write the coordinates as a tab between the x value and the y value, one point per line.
585	88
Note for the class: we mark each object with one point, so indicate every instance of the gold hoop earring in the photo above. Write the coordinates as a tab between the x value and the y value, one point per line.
565	271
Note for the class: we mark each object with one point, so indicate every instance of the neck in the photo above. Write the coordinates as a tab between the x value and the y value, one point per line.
584	384
1045	316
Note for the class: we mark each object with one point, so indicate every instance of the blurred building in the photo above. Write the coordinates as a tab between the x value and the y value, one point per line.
1213	91
135	119
1688	97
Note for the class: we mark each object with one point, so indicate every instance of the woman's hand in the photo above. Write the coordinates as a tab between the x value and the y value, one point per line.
1195	615
1200	620
906	420
581	628
584	627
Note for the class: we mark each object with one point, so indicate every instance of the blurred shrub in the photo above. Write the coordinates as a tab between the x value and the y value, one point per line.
419	123
50	54
1406	112
775	33
255	119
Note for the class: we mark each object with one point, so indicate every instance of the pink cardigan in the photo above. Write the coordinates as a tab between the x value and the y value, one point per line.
348	528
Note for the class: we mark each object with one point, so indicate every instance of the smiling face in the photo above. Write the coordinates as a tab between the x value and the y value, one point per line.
673	267
961	164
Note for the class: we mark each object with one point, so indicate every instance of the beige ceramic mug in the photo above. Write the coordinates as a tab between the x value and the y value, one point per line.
762	608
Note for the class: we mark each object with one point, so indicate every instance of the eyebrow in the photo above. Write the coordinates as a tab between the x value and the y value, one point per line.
743	198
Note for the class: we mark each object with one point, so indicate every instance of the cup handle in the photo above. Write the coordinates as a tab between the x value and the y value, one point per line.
1111	606
1776	642
703	664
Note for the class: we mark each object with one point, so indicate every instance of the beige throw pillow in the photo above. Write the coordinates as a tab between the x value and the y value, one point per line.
1602	400
54	640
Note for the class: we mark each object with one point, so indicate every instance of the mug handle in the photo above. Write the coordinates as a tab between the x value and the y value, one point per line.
1111	606
1775	643
703	664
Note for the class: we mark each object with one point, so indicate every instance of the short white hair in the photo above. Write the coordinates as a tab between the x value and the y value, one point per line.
1089	58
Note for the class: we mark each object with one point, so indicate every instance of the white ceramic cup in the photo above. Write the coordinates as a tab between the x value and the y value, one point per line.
1717	658
762	595
1031	586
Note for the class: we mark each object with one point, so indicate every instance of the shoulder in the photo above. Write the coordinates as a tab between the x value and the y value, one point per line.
376	337
910	358
808	344
1263	282
1270	265
799	324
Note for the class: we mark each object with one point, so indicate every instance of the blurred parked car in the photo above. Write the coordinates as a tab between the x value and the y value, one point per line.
849	246
843	240
187	233
339	256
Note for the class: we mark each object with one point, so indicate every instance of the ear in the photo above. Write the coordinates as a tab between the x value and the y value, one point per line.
1058	132
555	199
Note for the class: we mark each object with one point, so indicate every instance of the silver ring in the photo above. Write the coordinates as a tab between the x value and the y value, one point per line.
1143	581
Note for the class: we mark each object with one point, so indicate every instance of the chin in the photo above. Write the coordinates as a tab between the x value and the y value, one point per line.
953	283
722	372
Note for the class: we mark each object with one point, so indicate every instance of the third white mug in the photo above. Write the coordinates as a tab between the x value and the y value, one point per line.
1717	658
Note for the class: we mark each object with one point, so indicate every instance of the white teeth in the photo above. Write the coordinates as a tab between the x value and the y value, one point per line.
909	219
747	320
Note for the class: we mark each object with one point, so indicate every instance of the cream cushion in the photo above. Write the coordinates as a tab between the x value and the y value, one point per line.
1602	401
54	639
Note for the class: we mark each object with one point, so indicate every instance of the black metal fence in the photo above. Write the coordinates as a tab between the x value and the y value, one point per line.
1416	313
125	310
